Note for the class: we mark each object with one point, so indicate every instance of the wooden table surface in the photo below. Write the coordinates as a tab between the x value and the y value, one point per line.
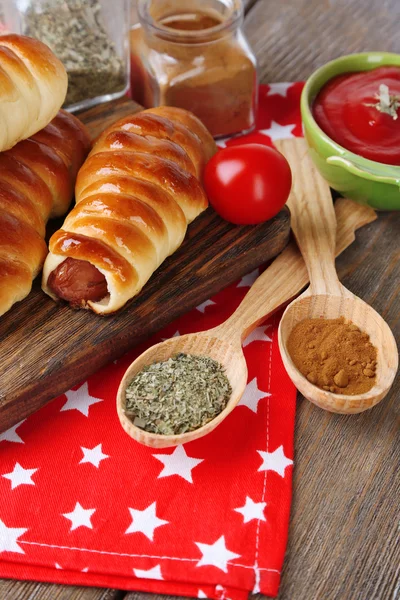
344	541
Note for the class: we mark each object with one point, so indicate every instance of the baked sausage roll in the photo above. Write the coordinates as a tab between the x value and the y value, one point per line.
135	195
37	178
33	85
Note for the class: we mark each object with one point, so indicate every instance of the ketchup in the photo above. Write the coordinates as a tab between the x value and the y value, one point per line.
346	110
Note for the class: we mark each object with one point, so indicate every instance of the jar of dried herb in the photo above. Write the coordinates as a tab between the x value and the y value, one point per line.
90	37
193	54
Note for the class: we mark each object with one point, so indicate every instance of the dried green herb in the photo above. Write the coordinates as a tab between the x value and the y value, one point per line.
74	30
178	395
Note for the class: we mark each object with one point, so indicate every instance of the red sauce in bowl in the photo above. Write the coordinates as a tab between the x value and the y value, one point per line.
346	110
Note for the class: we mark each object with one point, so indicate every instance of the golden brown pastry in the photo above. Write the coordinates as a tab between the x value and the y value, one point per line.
37	178
33	85
135	195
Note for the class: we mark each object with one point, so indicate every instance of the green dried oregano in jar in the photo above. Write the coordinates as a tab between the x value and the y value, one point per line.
90	37
178	395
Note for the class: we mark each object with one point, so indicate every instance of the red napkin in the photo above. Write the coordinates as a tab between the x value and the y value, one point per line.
82	503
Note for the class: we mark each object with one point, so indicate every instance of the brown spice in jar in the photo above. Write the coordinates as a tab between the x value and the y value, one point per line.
215	79
334	355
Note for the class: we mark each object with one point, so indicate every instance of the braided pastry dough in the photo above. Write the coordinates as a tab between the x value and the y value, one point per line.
37	178
33	85
135	195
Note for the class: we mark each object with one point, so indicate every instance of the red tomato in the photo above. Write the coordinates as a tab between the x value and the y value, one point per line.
247	184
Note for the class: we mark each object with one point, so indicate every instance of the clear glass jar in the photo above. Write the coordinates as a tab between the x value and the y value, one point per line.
193	54
90	37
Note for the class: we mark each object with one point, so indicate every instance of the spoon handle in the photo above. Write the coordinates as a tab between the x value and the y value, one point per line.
287	275
312	218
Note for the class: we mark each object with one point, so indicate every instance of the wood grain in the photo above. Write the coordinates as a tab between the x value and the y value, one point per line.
59	347
99	117
343	536
287	275
280	282
314	230
13	590
314	227
291	38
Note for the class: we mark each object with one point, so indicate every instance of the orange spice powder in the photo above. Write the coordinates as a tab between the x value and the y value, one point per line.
334	355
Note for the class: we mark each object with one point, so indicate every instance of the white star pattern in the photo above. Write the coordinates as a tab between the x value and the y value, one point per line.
145	521
154	573
9	537
279	89
176	334
275	461
278	132
258	334
221	143
252	510
93	456
80	517
188	483
11	434
178	463
252	396
220	588
202	307
249	279
80	400
20	476
216	555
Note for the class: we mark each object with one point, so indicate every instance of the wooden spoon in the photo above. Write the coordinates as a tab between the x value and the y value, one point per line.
314	226
282	280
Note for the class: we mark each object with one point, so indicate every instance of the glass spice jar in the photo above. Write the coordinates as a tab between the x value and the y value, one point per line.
193	54
90	37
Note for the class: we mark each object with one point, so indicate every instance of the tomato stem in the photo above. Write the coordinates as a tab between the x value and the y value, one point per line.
386	103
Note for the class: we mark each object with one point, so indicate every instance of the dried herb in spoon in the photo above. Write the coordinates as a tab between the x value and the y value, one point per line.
178	395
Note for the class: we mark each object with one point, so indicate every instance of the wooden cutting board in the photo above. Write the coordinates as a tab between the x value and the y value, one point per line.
45	348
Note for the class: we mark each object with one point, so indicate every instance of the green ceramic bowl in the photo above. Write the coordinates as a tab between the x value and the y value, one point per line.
363	180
